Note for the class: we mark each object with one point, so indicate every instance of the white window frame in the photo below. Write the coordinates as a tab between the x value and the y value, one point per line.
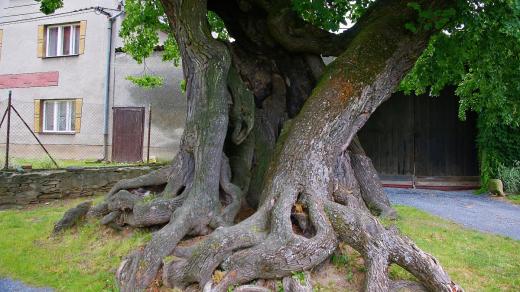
69	117
59	41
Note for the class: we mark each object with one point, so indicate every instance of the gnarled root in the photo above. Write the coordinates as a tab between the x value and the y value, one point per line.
247	251
380	247
71	217
370	185
130	203
190	213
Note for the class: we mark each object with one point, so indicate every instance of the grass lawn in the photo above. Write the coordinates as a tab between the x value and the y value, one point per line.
475	260
85	259
81	260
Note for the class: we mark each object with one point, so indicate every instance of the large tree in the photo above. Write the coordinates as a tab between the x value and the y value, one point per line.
271	129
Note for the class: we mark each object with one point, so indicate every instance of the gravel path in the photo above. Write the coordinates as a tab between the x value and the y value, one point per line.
8	285
478	212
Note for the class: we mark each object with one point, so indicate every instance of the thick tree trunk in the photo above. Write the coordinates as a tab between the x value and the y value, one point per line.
304	173
259	127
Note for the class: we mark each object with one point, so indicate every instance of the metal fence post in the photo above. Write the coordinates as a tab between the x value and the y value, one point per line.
6	166
149	132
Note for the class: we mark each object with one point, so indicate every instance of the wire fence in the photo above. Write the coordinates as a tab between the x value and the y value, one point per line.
26	143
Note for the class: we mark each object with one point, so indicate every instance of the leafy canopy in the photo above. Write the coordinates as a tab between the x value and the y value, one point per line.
479	53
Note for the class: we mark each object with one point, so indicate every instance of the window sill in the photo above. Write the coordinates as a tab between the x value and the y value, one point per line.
64	56
58	133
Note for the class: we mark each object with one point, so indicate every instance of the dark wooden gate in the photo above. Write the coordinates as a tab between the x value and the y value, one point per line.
128	134
421	136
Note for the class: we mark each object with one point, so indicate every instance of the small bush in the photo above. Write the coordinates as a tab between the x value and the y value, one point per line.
510	176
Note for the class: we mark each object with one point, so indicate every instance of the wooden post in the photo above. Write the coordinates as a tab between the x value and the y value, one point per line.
6	166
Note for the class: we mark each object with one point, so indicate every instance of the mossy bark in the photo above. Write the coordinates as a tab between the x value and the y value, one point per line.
270	128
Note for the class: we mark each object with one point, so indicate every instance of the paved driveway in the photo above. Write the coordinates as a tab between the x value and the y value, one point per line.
478	212
8	285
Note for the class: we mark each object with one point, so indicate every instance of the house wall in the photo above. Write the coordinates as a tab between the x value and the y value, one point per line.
168	103
82	76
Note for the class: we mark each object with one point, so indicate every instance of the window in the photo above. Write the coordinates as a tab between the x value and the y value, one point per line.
63	40
59	116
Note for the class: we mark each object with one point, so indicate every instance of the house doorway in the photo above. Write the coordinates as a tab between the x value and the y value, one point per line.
128	134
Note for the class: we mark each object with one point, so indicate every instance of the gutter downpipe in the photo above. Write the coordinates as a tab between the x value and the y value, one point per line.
106	105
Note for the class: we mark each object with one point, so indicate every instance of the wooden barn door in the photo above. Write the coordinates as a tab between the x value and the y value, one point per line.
128	134
444	146
421	136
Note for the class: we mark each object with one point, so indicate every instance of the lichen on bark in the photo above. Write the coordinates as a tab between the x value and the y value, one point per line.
267	175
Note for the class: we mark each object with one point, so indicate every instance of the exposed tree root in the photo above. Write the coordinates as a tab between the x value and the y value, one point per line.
71	217
370	185
381	247
249	251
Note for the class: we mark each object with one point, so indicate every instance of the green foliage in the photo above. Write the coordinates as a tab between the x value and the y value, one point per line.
49	6
329	14
510	176
499	147
279	286
143	21
340	260
183	85
479	53
146	81
171	51
430	19
217	26
300	276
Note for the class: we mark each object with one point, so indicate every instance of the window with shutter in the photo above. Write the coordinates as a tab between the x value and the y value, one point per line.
41	41
77	119
82	35
37	119
58	115
63	40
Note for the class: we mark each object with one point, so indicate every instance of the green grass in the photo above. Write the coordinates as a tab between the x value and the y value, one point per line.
515	199
475	260
85	259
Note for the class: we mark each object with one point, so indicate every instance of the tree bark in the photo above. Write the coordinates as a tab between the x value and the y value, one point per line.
270	127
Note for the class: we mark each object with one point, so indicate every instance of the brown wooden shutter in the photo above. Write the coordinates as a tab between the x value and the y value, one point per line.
37	115
1	39
82	34
77	109
41	41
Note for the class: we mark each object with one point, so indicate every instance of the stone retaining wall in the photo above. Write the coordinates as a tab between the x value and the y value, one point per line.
17	189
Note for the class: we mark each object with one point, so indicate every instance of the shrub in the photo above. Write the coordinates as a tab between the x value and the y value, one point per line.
510	176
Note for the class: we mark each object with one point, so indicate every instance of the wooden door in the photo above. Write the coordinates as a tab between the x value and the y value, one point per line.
444	146
128	134
421	136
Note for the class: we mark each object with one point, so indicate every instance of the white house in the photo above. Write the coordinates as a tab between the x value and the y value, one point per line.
56	67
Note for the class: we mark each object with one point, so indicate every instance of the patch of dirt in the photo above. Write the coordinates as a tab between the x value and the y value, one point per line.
347	274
